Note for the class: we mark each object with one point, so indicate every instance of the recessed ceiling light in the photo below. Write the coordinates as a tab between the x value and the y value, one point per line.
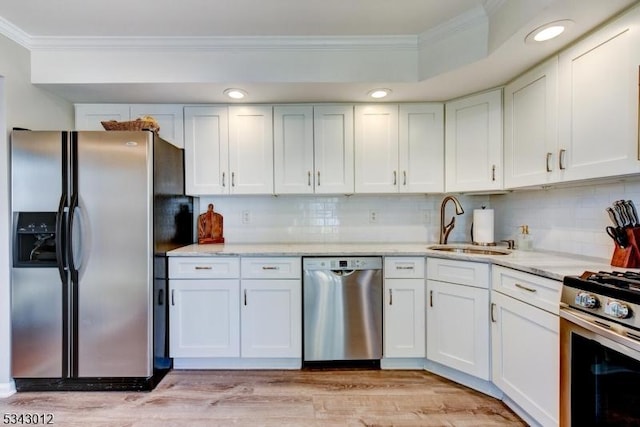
548	31
235	93
379	93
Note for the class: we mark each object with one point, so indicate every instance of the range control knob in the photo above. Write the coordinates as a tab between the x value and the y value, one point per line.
617	309
586	300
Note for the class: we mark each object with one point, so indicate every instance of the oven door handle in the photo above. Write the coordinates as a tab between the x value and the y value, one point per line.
601	328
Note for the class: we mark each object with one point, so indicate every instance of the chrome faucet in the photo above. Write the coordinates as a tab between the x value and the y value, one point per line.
446	229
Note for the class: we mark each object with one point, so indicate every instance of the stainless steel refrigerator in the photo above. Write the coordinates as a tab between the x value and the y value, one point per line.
93	216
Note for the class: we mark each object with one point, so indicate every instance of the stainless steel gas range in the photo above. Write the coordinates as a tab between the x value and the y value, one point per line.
600	349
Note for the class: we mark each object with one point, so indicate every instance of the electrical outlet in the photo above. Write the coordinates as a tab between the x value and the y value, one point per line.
373	216
246	217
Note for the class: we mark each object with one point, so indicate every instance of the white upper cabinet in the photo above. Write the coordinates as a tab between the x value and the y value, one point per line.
251	149
313	149
168	116
473	143
531	150
376	139
598	121
399	149
421	160
206	150
293	149
333	149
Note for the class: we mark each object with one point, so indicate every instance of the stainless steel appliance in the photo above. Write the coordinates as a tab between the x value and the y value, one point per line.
600	349
93	216
342	309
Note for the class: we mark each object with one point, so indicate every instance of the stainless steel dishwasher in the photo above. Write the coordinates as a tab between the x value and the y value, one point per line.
342	309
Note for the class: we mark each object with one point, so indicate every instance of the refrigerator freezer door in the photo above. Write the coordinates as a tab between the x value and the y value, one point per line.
36	292
113	227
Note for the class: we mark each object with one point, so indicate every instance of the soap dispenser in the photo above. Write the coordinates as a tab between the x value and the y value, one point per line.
524	241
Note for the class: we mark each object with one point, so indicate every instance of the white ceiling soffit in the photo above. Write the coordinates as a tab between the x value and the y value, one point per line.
480	47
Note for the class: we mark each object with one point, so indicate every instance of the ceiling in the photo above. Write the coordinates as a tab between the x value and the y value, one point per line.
39	23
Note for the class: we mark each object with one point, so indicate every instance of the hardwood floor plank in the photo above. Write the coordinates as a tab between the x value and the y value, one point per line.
276	398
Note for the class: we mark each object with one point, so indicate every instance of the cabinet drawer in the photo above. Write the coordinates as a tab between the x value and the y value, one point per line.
535	290
204	267
460	272
271	268
401	268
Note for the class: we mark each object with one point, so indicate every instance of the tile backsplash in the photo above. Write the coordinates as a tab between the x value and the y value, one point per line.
570	220
335	219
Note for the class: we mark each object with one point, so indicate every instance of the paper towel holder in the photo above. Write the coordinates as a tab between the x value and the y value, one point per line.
473	242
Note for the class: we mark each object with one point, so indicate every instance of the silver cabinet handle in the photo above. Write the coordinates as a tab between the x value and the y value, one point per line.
404	177
309	178
401	267
267	267
233	179
493	173
318	178
430	298
224	179
395	177
245	297
493	317
390	296
173	297
198	267
549	162
525	288
561	164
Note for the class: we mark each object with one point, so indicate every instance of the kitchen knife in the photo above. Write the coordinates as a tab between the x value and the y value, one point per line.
613	217
631	208
624	221
618	235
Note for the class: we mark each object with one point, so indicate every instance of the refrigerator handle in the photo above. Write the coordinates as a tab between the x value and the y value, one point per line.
59	240
72	214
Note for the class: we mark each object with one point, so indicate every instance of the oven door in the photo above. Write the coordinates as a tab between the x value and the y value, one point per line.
599	372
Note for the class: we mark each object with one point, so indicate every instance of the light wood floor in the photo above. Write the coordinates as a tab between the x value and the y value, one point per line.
275	398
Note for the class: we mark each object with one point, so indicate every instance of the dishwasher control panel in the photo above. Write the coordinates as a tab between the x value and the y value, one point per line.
346	263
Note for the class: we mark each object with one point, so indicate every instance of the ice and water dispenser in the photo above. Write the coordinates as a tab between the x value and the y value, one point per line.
35	239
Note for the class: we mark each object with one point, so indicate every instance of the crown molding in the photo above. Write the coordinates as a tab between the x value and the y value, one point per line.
14	33
469	19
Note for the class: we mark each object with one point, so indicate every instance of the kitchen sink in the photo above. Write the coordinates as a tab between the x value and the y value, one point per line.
473	250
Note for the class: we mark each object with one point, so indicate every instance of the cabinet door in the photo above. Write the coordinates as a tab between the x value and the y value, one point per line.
333	150
421	143
271	315
458	327
204	318
90	116
169	118
473	143
525	349
206	150
251	149
404	318
599	102
293	149
376	142
531	127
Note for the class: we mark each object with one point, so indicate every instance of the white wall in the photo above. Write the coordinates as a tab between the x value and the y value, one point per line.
21	105
570	220
335	219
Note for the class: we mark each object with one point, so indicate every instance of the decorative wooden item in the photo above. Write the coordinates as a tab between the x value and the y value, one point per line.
210	227
629	256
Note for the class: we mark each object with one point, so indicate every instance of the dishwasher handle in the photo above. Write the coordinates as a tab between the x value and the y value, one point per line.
343	273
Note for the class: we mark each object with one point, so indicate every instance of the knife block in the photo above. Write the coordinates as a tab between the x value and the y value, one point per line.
629	256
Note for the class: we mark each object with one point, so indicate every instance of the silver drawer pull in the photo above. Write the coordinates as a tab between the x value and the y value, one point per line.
399	267
526	288
266	267
198	267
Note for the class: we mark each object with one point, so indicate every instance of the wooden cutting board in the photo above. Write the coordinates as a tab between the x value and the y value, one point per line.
210	227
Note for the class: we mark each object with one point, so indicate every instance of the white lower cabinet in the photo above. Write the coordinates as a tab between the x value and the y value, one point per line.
404	307
204	318
458	316
525	343
231	312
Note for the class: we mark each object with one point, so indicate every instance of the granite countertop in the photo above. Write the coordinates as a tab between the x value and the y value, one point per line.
547	264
